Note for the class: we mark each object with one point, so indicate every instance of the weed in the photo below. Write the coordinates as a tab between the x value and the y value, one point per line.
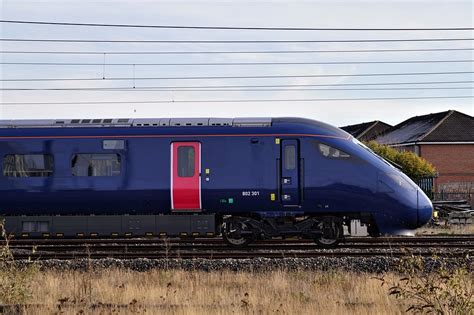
15	281
442	292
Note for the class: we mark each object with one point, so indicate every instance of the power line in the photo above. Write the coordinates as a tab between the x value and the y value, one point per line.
231	51
242	77
234	63
62	40
235	101
235	27
150	89
206	87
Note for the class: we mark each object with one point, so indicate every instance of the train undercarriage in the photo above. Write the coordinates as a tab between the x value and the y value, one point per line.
327	230
240	231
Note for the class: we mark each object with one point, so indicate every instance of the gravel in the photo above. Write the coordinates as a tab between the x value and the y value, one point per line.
354	264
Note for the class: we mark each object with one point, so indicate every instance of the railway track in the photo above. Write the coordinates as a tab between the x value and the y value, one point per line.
229	254
217	247
457	246
125	245
133	241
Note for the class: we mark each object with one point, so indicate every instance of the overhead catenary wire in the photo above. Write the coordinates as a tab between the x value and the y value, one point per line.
206	87
241	77
233	51
166	41
144	89
234	63
255	28
228	88
235	101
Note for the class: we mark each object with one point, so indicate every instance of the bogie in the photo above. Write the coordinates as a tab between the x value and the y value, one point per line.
240	231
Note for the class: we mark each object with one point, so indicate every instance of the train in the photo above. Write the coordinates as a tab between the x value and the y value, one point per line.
242	178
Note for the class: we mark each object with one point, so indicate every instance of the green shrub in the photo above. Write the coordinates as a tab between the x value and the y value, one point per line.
411	164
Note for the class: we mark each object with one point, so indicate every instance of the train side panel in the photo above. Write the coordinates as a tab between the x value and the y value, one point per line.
241	176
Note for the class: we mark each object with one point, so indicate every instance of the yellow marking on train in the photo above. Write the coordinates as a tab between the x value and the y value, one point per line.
277	140
208	171
272	197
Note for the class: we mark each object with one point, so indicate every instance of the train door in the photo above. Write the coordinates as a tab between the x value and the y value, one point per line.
290	173
186	176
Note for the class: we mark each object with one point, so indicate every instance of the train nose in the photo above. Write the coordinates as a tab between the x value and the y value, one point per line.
425	208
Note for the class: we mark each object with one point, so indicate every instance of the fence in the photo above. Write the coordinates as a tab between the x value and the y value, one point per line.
427	185
452	196
455	191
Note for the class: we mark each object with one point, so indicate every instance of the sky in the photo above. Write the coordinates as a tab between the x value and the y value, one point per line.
300	14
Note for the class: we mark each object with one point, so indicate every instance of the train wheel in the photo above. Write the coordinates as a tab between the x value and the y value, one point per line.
332	232
236	232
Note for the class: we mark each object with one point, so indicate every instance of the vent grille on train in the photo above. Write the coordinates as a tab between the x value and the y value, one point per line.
138	122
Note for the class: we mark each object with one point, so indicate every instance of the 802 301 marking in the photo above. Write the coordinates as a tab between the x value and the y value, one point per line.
251	193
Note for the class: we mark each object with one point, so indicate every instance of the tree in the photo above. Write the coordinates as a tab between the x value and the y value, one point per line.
411	164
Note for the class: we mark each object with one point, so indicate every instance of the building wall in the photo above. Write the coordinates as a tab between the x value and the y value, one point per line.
454	162
410	148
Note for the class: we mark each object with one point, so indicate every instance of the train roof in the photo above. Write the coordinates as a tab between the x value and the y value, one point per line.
292	125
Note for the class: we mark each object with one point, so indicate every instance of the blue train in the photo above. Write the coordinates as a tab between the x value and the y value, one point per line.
244	178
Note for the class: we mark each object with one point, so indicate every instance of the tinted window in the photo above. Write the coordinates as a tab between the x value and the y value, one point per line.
290	157
28	165
331	152
185	161
96	165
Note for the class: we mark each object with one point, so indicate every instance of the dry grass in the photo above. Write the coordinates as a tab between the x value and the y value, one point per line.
196	292
467	229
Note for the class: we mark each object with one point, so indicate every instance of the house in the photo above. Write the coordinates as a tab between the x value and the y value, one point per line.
367	131
445	139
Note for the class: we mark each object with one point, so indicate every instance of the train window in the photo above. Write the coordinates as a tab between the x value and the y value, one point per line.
185	161
28	165
113	144
96	165
290	157
331	152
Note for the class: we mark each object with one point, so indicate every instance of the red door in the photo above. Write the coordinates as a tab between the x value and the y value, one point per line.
186	176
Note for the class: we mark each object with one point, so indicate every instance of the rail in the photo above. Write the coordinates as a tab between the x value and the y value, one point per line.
41	249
